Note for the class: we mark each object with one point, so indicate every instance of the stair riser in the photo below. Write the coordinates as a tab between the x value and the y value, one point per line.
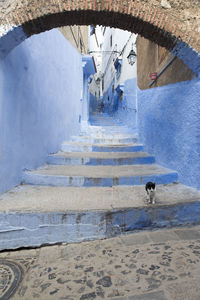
68	227
80	148
79	181
97	161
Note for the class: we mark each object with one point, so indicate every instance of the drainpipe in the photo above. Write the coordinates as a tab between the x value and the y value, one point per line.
163	69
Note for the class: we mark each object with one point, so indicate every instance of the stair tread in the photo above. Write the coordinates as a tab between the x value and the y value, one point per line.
117	145
101	171
101	155
107	136
30	198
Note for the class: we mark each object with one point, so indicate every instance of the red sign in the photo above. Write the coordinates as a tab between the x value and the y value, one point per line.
153	75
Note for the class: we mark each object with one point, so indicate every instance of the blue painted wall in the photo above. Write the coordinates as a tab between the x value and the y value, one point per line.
40	91
108	99
127	107
125	110
169	127
93	103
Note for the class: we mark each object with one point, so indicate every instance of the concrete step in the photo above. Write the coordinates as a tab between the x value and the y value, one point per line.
110	135
110	129
121	129
35	215
100	158
62	175
83	147
106	139
96	131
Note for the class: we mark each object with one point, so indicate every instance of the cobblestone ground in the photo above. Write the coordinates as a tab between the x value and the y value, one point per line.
163	264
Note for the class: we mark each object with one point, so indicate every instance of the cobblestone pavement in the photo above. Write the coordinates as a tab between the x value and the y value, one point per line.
157	265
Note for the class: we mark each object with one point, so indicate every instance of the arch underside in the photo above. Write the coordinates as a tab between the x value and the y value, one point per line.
110	19
106	18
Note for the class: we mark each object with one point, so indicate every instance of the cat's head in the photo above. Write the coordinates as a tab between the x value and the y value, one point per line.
151	186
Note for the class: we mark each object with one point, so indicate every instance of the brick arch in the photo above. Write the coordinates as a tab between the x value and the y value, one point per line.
23	18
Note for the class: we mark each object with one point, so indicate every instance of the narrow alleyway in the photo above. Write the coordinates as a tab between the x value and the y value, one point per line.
91	190
97	98
94	188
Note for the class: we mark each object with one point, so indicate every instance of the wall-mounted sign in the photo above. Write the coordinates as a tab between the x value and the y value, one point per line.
153	75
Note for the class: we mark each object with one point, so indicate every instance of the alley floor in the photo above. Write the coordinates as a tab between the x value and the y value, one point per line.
148	265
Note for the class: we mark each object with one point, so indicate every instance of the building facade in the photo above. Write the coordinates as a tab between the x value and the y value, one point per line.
164	111
112	83
77	36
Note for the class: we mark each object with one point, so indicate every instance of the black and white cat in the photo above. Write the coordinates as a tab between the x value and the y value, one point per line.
151	192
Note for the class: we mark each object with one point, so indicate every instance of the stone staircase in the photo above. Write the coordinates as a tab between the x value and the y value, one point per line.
108	156
94	188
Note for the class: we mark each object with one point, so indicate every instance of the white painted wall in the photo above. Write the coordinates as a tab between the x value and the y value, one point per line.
121	43
95	42
106	45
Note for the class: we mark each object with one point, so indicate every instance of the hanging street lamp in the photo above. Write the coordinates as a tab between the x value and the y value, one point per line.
132	57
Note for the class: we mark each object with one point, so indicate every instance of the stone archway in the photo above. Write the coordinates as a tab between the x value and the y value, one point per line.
162	24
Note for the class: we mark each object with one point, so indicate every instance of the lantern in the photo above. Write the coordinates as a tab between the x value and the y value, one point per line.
132	57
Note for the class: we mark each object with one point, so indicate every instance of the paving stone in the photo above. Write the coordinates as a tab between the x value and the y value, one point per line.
105	281
188	234
88	296
149	296
163	236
